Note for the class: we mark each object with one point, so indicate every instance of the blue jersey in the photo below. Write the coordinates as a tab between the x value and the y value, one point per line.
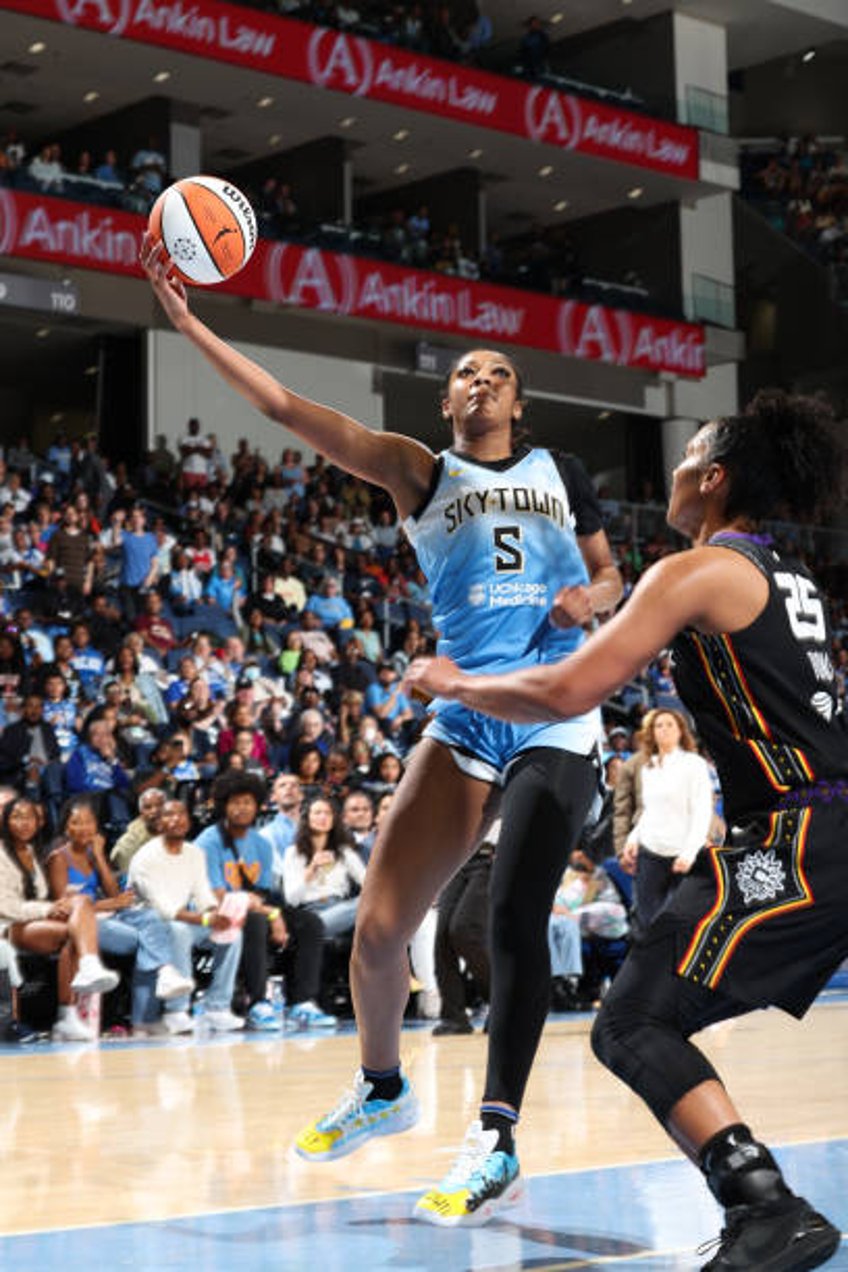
497	540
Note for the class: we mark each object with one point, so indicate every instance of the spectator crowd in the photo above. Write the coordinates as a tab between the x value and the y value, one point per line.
801	186
202	724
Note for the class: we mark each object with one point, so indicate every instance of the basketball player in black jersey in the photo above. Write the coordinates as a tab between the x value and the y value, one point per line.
762	920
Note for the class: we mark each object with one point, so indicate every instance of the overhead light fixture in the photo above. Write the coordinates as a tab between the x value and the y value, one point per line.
347	122
809	55
560	205
161	76
400	135
402	168
57	417
604	415
92	370
635	193
556	18
275	139
42	332
38	47
91	96
476	153
547	171
264	102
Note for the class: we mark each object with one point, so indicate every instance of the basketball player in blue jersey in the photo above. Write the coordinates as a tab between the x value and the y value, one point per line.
764	919
517	563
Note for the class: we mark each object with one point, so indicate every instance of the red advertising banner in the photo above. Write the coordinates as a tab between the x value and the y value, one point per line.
366	68
74	234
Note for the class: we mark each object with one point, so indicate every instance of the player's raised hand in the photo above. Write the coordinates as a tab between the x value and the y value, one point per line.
169	289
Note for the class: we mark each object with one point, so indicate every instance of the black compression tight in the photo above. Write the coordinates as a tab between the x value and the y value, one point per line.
642	1030
545	804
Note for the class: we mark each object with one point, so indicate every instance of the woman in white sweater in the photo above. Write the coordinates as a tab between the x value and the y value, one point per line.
677	808
322	870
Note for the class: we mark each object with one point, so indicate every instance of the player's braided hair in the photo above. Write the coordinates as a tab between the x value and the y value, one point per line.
784	456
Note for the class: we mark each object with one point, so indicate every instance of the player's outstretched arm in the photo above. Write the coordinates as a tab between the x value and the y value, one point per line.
701	588
399	464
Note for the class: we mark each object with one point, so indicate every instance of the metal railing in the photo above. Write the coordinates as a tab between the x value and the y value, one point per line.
703	108
645	524
712	301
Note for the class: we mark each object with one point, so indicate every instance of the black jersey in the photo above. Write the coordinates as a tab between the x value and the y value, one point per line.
765	698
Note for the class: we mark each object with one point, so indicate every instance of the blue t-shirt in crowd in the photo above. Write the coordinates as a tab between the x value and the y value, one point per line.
377	696
90	666
87	770
62	716
137	553
222	591
280	833
331	610
249	866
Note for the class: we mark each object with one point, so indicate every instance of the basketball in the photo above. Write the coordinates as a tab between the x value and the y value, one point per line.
207	227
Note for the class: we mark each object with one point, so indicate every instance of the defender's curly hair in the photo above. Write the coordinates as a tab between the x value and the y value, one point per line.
784	455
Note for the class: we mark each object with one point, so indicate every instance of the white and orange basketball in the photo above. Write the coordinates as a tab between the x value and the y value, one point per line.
207	227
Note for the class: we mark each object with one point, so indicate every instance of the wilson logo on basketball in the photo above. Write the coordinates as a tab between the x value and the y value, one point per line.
207	227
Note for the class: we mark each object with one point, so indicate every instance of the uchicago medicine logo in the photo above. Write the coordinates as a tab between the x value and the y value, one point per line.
340	61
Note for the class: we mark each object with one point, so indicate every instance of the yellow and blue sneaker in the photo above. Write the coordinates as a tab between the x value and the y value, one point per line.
356	1119
481	1181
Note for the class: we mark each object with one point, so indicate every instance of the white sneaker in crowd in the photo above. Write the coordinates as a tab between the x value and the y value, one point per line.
71	1028
177	1022
93	978
223	1021
172	984
428	1004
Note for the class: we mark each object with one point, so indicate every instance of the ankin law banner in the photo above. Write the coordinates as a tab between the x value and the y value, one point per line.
367	68
89	237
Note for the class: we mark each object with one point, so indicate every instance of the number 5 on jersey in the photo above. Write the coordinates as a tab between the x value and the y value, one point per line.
509	557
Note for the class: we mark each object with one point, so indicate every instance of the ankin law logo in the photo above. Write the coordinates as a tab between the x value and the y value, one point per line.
596	334
311	279
112	15
8	223
553	117
340	61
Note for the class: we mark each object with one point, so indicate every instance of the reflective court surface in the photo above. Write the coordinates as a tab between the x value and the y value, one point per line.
177	1154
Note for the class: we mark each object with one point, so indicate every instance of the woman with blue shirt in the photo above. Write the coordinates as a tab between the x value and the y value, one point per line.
78	867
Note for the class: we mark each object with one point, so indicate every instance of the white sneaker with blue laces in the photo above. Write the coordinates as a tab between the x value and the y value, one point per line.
481	1182
356	1119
